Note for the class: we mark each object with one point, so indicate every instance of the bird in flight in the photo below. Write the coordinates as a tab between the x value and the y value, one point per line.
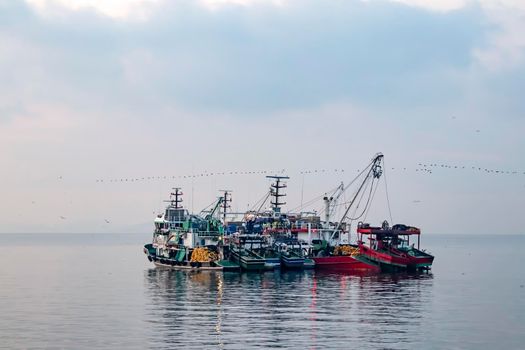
107	221
63	217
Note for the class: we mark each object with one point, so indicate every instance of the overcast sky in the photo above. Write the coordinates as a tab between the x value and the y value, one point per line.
95	91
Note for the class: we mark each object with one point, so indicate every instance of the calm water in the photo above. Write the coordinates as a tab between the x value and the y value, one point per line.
99	292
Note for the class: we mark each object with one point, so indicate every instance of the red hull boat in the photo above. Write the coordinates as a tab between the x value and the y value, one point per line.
390	247
343	263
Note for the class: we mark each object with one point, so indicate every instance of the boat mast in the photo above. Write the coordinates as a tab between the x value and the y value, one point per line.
331	203
327	204
176	202
274	191
226	200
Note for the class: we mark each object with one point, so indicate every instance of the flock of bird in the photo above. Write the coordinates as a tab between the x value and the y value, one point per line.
420	168
204	174
429	167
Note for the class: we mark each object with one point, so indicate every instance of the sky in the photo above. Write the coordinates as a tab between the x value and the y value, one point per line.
105	105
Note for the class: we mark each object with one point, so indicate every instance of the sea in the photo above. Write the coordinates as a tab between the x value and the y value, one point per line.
98	291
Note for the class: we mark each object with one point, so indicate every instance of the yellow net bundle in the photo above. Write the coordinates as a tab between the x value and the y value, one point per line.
203	254
346	250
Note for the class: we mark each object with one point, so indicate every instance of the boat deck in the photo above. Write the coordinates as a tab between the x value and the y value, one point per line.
228	265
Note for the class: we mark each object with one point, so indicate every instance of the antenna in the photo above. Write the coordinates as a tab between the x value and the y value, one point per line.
226	200
274	192
175	202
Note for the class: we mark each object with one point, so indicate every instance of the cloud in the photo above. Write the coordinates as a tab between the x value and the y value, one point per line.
506	42
217	4
117	9
436	5
130	10
264	57
452	5
505	47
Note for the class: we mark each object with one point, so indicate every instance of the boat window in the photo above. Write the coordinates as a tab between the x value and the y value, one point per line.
403	243
175	214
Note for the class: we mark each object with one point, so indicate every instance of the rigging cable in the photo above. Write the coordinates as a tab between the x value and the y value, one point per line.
208	207
367	201
335	189
369	172
359	201
311	201
386	190
373	196
264	201
358	175
261	200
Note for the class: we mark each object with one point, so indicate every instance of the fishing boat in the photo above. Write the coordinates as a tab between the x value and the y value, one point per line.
390	247
330	241
247	259
272	258
260	246
341	258
292	260
290	253
185	241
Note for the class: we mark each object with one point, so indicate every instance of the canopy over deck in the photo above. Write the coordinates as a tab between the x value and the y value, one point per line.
388	232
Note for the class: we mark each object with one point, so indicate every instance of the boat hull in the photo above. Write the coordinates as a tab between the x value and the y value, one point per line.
177	263
343	262
272	263
188	267
248	262
399	260
292	262
309	264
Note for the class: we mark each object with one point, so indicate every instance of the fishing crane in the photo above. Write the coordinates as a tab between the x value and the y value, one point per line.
213	223
374	172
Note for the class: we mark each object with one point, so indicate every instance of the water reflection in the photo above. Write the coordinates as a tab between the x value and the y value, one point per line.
306	310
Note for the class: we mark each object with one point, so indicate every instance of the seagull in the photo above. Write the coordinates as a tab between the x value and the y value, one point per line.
107	221
63	217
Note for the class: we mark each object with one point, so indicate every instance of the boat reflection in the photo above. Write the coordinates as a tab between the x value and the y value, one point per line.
304	309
